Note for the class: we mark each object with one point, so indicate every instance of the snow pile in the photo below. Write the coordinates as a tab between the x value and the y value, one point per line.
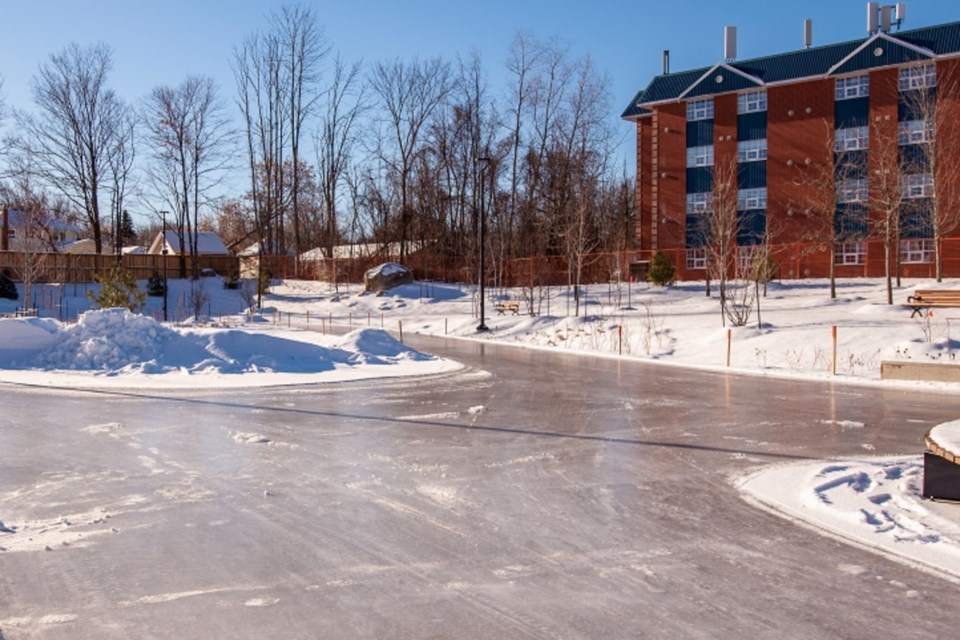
106	340
947	436
117	343
873	502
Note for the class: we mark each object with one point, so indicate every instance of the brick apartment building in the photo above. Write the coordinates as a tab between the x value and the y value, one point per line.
828	151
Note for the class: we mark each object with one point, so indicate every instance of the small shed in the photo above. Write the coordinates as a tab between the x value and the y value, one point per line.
208	244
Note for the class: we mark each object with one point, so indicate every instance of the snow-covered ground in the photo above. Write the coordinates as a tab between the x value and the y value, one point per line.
869	501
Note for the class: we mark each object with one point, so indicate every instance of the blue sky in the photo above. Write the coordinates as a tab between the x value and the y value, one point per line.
161	42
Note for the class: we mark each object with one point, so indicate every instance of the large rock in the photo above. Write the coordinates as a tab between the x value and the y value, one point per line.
387	276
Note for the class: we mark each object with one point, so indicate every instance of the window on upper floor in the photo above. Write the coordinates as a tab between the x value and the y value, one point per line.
919	77
853	87
752	150
752	102
852	139
916	185
700	156
700	110
915	132
849	191
699	202
748	199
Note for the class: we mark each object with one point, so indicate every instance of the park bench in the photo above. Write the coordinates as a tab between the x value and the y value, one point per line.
502	306
924	299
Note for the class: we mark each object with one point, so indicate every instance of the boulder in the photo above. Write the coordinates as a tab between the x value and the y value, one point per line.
386	276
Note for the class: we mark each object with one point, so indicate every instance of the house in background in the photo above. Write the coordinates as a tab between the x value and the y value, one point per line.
50	234
208	244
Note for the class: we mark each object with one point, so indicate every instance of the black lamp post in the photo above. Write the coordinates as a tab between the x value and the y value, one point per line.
163	251
484	163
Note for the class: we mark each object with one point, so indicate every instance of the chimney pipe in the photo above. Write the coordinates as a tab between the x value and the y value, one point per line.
807	33
666	61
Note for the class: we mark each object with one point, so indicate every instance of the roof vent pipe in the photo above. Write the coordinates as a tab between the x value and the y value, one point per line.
730	43
873	17
666	61
807	33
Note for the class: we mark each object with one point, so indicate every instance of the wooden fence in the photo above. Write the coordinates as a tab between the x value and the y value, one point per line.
793	261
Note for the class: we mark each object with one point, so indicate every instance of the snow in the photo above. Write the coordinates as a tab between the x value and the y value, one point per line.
868	501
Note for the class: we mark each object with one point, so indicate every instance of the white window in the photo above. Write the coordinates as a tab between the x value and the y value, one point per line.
752	150
917	185
851	252
852	139
853	87
918	77
915	132
700	110
851	191
748	199
700	156
699	202
752	102
745	257
696	258
916	250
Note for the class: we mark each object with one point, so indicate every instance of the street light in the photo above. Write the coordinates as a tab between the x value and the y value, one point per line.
484	162
163	251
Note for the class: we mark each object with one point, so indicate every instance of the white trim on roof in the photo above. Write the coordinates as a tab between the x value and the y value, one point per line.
720	65
880	36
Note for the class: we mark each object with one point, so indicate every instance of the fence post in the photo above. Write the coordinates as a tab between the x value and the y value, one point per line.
833	365
400	324
729	343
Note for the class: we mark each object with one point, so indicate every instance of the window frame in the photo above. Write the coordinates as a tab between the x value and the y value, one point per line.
752	150
752	199
696	258
698	110
752	102
850	252
921	76
916	250
701	156
699	202
852	87
851	191
851	139
914	132
915	186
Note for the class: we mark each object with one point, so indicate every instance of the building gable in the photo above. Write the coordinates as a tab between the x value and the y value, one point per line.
881	50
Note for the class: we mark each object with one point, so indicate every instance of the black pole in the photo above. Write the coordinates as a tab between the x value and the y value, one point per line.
483	232
163	252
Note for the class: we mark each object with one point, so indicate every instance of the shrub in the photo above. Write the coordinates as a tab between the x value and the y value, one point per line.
155	285
661	271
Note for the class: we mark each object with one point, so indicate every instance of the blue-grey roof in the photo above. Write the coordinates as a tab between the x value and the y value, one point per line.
17	219
938	40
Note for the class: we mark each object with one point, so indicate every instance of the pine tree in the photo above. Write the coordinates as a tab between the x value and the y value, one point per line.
661	271
128	235
118	288
155	285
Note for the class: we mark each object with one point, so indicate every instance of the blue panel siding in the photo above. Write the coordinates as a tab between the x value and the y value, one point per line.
699	133
892	54
854	112
752	175
695	234
730	81
913	158
915	219
909	106
752	226
851	165
752	126
850	222
699	179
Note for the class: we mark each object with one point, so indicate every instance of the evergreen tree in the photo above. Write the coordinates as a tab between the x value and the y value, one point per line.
661	271
128	235
155	285
8	289
118	288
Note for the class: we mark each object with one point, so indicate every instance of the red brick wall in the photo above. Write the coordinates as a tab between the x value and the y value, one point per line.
669	204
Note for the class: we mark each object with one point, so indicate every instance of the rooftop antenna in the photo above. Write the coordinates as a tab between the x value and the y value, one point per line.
873	17
901	10
730	43
807	33
885	18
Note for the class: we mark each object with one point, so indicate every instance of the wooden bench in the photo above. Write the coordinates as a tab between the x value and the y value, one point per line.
502	306
923	299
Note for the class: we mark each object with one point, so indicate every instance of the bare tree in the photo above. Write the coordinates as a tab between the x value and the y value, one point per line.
885	195
190	137
410	93
337	139
75	131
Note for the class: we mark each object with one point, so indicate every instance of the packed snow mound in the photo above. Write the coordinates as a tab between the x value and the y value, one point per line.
107	339
24	337
375	346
